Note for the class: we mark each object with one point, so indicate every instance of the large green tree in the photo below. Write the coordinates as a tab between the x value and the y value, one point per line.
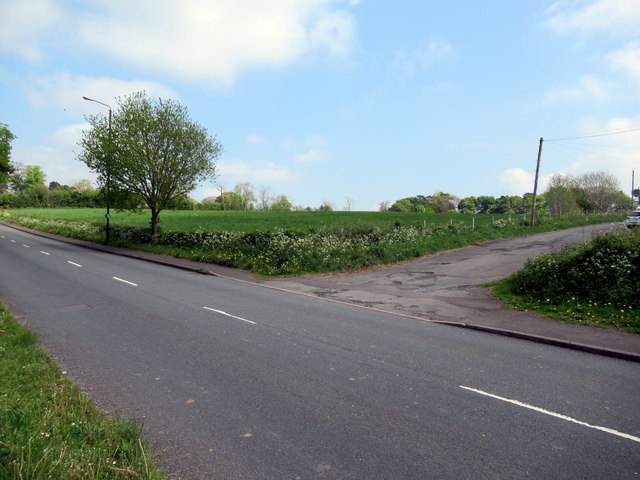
5	153
153	151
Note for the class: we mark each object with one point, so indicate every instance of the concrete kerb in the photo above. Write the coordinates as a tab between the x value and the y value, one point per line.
157	259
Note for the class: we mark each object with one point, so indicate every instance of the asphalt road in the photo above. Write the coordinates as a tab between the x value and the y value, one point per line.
236	381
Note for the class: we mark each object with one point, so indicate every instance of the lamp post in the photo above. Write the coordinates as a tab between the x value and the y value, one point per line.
108	214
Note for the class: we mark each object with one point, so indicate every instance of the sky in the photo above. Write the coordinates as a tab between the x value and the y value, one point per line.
352	102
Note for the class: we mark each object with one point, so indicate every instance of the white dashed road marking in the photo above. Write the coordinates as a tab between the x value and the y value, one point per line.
125	281
229	315
553	414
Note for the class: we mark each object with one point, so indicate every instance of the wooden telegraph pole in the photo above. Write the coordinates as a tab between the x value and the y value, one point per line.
535	185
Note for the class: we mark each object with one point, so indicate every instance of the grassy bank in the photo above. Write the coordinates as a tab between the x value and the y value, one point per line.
49	429
596	283
318	245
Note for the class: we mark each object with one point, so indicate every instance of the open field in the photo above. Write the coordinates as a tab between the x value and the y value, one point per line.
292	243
248	221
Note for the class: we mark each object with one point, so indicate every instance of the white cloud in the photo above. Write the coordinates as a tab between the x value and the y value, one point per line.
65	91
614	16
336	31
589	88
310	156
192	39
315	150
315	141
254	139
25	26
57	157
627	59
516	181
255	171
411	62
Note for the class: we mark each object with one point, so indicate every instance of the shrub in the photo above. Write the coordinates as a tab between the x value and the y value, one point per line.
606	269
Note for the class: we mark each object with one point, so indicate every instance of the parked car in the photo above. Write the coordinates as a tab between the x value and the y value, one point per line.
633	220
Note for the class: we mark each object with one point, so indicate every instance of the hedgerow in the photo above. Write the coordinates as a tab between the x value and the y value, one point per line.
604	270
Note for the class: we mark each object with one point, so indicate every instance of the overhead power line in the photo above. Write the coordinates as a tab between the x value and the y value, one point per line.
601	134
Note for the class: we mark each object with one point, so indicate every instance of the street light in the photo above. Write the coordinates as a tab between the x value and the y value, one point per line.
108	215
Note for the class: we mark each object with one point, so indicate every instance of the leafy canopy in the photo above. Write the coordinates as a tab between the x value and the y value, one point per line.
153	151
5	152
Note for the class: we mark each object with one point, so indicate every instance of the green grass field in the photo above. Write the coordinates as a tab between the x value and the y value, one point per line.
248	221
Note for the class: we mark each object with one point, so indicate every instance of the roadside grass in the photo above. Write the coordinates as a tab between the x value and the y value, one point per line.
49	429
595	283
618	317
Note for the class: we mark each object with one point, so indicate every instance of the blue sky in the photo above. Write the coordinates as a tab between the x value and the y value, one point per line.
324	100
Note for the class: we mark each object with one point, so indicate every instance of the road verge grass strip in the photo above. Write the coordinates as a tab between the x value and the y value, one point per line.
50	429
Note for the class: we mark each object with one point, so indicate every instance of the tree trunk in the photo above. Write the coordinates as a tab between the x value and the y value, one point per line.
154	225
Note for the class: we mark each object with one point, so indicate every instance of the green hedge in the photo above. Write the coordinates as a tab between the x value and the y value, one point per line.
604	270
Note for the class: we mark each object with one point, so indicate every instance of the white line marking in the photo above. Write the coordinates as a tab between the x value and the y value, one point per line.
125	281
74	263
553	414
44	253
229	315
13	241
26	246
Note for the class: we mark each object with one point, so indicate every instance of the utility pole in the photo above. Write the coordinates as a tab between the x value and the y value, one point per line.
109	159
535	185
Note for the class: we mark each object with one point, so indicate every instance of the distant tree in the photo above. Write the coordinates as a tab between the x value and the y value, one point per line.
507	204
246	192
441	202
183	202
622	202
468	205
54	186
25	177
82	185
209	203
561	194
601	188
6	137
348	204
485	203
230	201
384	206
281	204
265	198
153	151
402	205
326	206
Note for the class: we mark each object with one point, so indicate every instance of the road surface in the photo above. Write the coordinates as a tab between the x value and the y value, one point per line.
236	381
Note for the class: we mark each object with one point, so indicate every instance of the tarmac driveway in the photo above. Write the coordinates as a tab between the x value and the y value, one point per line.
446	286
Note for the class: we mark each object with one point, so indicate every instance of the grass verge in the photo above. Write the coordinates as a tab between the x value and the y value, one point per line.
618	317
593	283
49	429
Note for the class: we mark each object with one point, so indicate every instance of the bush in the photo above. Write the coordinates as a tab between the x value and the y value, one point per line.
606	269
